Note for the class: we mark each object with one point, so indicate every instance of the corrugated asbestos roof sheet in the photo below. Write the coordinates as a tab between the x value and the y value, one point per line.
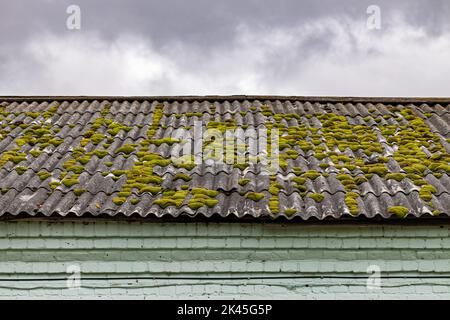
111	156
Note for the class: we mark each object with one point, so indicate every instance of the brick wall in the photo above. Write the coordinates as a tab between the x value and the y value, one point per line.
181	260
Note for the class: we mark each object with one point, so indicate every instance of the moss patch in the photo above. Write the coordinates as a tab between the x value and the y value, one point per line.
352	203
208	192
119	201
127	148
69	182
290	212
317	197
243	182
182	176
21	170
426	192
44	175
54	184
311	174
151	189
399	211
79	192
395	176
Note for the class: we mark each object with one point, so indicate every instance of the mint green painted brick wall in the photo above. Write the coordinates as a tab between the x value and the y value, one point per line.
35	255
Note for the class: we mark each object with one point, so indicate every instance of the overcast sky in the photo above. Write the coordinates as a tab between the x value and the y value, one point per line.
199	47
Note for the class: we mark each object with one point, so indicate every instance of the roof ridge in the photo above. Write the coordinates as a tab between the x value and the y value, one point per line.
324	99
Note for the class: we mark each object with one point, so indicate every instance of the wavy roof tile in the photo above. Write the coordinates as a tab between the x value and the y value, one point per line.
110	156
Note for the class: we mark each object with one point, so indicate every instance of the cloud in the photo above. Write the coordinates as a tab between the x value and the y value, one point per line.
328	56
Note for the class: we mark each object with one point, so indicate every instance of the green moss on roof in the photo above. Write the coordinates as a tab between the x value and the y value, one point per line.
208	192
378	170
175	198
100	153
360	180
19	157
77	169
290	212
33	115
126	148
44	175
444	167
415	168
68	182
54	184
115	127
198	202
168	141
418	152
299	180
194	114
352	203
97	138
119	200
119	172
426	192
311	174
399	211
255	196
151	189
240	166
395	176
243	182
79	192
84	160
182	176
274	188
35	153
135	201
21	170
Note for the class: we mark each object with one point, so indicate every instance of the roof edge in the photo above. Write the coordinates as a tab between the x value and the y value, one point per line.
216	218
323	99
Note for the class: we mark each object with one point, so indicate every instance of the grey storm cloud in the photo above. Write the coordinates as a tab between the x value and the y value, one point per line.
225	47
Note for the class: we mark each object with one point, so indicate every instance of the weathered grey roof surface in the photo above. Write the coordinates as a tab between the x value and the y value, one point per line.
340	157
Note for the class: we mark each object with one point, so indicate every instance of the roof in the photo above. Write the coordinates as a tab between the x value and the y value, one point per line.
111	156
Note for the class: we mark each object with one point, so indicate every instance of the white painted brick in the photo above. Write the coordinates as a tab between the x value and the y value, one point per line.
426	266
441	265
234	242
216	243
441	289
5	243
432	243
289	243
410	265
253	266
138	266
267	242
308	266
417	243
172	266
250	243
